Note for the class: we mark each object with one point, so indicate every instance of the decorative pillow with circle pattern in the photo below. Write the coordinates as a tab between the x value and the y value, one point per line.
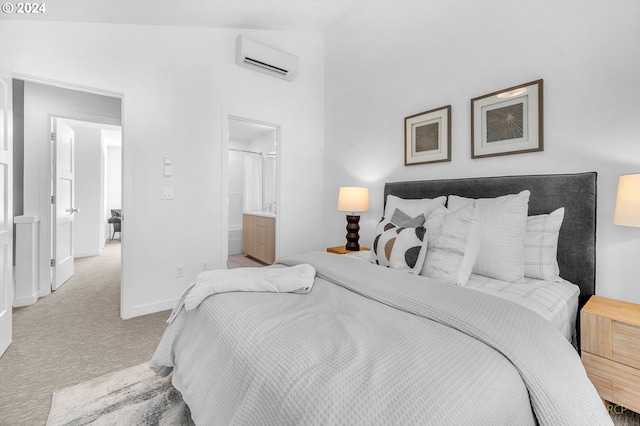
401	248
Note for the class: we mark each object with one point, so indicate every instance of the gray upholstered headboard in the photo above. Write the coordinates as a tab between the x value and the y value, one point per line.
575	192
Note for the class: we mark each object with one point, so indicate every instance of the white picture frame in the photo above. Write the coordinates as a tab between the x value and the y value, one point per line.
427	137
509	121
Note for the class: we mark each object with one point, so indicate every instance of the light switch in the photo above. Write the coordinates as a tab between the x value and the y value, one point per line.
167	166
166	193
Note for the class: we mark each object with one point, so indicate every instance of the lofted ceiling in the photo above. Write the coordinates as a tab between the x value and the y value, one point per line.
298	15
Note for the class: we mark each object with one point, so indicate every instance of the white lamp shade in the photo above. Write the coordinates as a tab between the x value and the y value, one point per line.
628	201
353	199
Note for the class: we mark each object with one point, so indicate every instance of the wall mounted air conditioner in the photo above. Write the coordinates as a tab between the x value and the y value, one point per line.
265	59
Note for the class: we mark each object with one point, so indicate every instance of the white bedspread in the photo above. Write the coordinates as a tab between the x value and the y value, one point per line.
364	348
557	302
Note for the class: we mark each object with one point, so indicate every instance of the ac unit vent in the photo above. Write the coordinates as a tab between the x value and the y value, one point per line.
268	67
266	59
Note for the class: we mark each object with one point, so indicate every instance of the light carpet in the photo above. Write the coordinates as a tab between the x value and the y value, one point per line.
73	335
134	396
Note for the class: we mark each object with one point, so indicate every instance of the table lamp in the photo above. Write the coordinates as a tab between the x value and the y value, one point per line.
628	201
353	199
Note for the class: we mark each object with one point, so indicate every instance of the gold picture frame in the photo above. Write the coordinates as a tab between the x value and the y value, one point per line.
508	121
427	137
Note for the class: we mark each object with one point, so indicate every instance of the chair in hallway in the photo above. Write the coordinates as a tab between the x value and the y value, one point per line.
116	222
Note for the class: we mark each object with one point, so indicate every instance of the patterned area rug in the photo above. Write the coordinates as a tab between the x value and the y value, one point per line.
134	396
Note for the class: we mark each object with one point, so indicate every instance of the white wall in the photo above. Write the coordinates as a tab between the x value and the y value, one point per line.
175	82
394	59
114	178
112	139
88	222
236	187
112	148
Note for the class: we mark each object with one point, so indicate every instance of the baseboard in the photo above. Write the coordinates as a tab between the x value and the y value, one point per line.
19	302
87	254
151	308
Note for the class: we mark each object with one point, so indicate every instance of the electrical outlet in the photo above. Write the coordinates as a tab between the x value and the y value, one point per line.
204	266
179	271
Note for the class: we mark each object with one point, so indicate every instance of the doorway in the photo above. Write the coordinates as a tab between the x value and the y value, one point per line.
251	162
86	186
38	102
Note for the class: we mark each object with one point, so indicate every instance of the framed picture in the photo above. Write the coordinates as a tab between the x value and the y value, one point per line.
427	137
508	121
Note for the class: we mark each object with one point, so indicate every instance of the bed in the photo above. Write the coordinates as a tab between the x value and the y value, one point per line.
577	193
321	338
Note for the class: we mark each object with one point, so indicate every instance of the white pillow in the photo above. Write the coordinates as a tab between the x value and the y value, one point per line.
454	242
541	246
399	248
412	207
502	221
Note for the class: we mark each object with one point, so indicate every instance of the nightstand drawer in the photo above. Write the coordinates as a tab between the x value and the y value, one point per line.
603	386
610	343
595	334
625	380
626	343
627	396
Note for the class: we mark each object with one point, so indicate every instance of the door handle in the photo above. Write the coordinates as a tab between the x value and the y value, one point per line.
74	211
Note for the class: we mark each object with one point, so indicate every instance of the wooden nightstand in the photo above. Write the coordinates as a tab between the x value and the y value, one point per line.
343	250
610	344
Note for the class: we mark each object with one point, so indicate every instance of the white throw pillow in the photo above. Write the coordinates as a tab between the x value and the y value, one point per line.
541	246
412	207
502	222
454	242
399	248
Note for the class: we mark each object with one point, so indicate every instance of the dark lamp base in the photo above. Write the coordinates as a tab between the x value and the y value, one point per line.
352	233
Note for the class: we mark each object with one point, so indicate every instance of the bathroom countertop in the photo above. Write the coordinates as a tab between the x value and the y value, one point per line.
265	214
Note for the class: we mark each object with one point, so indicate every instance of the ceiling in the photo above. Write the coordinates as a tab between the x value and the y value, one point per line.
112	135
299	15
248	131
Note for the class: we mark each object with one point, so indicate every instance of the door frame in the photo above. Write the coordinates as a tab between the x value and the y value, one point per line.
249	117
50	238
45	205
6	280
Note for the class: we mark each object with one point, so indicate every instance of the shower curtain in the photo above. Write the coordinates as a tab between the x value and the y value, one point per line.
252	183
260	189
270	188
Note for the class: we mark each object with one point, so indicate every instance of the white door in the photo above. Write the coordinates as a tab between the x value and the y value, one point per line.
63	202
6	212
